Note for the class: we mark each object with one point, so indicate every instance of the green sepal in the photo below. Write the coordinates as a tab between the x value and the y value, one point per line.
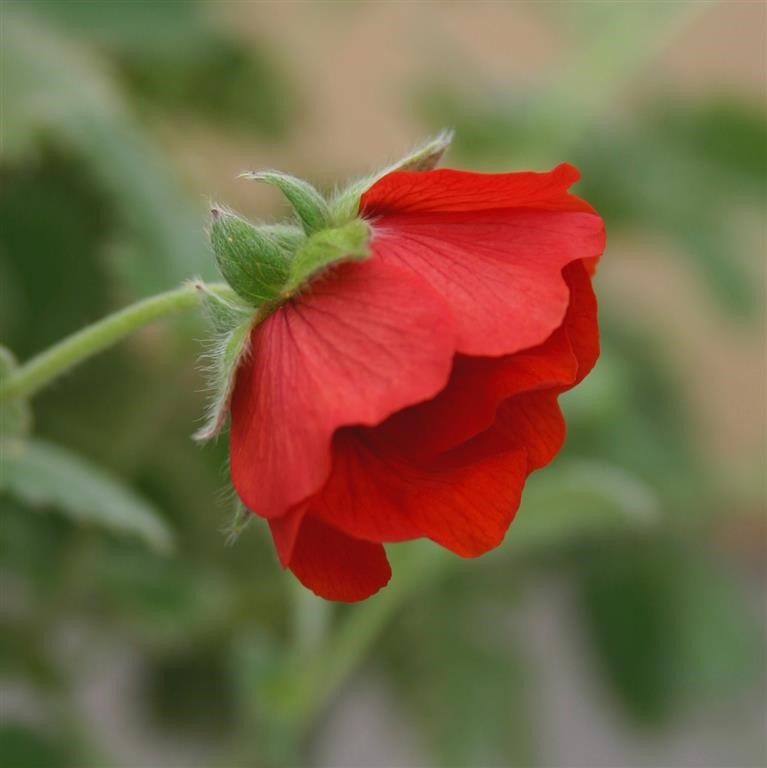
240	521
309	205
15	415
423	158
349	242
222	360
253	260
223	309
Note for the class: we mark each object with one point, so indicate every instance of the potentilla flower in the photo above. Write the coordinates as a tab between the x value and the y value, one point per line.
400	377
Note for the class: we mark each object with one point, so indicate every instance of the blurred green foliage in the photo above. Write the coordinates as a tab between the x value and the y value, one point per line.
93	215
172	58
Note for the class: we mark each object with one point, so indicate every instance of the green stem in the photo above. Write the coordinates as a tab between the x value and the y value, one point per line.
311	619
417	566
42	369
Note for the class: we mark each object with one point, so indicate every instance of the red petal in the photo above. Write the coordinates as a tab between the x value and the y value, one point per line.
360	344
464	501
478	385
285	530
533	420
449	190
499	271
493	245
336	566
375	495
497	420
469	402
581	324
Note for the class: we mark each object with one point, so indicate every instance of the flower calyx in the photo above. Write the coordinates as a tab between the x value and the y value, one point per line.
265	265
268	264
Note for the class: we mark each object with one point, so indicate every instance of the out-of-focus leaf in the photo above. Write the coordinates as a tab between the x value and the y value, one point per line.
24	747
190	691
126	26
169	602
269	696
218	80
580	499
33	548
170	55
629	610
667	627
23	656
721	640
60	93
45	475
726	134
15	416
466	686
632	409
58	266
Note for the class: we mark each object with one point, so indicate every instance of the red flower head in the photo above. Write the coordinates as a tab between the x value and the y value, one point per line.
409	393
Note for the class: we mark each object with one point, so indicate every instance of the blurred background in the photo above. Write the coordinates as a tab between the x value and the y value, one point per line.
622	622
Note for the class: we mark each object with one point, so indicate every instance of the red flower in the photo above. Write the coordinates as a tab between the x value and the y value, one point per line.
410	394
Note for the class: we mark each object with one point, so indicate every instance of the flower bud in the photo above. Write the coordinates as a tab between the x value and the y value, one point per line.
255	261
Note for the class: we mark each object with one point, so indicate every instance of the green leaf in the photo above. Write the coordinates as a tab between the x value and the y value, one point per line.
719	632
580	499
325	248
23	747
25	657
726	133
467	688
174	56
59	92
629	613
168	600
136	27
206	80
668	625
309	205
16	415
45	475
189	692
269	697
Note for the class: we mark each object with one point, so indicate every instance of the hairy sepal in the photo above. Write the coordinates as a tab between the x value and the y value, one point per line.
425	157
325	248
254	260
221	362
309	205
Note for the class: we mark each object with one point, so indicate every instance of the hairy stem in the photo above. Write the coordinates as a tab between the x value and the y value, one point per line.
47	366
